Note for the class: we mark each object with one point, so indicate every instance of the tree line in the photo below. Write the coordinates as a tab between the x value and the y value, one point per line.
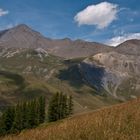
30	114
60	107
23	116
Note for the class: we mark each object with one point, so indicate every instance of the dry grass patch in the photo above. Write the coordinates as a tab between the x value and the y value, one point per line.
120	122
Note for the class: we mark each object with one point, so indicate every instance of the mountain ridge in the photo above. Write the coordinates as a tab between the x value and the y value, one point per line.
24	37
94	74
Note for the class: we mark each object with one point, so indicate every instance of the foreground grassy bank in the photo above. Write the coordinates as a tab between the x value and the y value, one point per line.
120	122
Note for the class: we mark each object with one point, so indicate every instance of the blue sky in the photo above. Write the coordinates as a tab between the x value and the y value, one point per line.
110	21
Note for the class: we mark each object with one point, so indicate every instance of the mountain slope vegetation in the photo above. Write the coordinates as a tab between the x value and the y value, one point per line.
44	74
119	122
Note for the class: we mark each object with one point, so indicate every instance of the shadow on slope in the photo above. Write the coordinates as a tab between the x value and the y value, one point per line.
80	74
93	75
18	80
72	75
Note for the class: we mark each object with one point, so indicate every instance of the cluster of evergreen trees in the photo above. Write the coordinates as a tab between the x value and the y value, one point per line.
60	106
32	113
23	116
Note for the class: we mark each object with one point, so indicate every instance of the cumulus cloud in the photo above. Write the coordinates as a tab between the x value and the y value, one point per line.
2	12
120	39
100	15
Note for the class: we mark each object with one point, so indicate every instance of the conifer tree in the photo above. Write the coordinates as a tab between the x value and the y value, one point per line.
31	114
41	109
70	105
9	118
22	116
64	106
36	107
2	127
6	121
60	106
17	124
24	112
53	109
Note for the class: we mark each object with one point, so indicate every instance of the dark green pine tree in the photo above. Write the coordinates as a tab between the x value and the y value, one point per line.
31	114
2	127
64	107
60	105
53	108
18	119
70	105
24	111
6	121
22	116
41	109
38	112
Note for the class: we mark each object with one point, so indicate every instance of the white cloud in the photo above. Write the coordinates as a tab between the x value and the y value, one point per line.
2	12
100	15
120	39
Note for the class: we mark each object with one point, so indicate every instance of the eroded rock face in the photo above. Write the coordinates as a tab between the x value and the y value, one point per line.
125	64
109	71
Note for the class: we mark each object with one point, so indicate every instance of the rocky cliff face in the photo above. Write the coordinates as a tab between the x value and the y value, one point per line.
109	71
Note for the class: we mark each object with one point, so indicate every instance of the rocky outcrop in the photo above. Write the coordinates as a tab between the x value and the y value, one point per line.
109	71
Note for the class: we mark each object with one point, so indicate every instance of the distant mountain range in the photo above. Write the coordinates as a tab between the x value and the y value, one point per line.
95	74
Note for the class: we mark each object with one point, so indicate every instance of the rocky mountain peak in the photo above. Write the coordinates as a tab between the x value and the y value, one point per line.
22	26
131	47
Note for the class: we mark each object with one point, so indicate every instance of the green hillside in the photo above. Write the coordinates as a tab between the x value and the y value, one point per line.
30	73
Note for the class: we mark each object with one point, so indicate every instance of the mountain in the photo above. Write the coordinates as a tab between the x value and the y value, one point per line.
44	74
116	73
130	47
94	74
22	36
121	122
